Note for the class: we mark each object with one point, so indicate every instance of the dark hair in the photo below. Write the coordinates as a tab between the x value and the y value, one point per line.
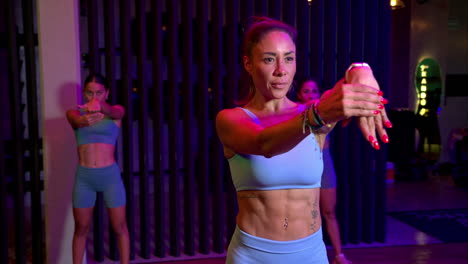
97	78
301	81
255	28
297	84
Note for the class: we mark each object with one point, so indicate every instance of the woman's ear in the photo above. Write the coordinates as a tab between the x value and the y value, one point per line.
247	64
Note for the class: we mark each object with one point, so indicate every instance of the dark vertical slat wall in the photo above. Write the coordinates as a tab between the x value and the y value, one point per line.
260	7
3	202
302	47
203	127
289	12
247	9
94	65
110	60
339	139
382	74
33	144
193	49
188	129
354	203
17	134
274	9
4	226
158	126
217	189
368	175
173	123
232	44
142	91
126	89
316	39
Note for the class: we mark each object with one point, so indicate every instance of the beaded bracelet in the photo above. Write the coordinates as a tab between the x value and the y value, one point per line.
306	121
317	118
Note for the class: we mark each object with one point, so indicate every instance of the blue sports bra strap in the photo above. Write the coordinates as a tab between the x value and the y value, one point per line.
252	115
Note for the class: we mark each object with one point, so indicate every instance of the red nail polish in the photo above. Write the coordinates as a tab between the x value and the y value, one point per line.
385	139
376	112
371	139
380	93
381	107
376	145
388	124
384	101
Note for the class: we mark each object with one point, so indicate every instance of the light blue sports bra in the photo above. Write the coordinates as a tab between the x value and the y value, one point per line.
299	168
105	131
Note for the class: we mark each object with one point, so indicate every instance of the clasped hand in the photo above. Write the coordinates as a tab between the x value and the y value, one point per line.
92	112
361	100
93	106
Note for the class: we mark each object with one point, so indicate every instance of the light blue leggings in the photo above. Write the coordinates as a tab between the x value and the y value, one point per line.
107	180
247	249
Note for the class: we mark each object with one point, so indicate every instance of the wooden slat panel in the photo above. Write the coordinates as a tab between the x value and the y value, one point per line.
94	66
274	9
203	127
329	51
189	130
218	205
173	88
302	47
381	71
109	33
260	7
17	133
3	177
354	202
127	122
246	9
340	136
316	41
368	155
158	127
140	10
33	132
289	12
232	45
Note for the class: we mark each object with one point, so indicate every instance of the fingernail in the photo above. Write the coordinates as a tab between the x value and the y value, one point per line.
380	93
384	101
385	139
376	112
381	107
376	145
388	124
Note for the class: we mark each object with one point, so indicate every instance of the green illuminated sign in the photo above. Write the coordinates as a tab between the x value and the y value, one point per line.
428	84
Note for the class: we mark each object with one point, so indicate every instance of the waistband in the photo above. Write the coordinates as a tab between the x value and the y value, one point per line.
274	246
83	168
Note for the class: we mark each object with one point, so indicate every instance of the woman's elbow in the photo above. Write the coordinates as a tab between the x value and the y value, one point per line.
264	147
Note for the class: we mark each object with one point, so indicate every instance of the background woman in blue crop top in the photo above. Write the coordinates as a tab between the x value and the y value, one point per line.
96	125
308	90
274	149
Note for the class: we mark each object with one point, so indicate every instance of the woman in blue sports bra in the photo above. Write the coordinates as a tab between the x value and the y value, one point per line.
96	125
273	146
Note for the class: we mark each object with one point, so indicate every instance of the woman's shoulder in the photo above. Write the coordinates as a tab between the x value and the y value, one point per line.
229	113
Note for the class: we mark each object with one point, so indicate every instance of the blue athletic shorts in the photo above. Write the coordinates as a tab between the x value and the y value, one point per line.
247	249
107	180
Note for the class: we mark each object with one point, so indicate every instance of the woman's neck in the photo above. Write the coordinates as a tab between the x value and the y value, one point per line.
273	106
